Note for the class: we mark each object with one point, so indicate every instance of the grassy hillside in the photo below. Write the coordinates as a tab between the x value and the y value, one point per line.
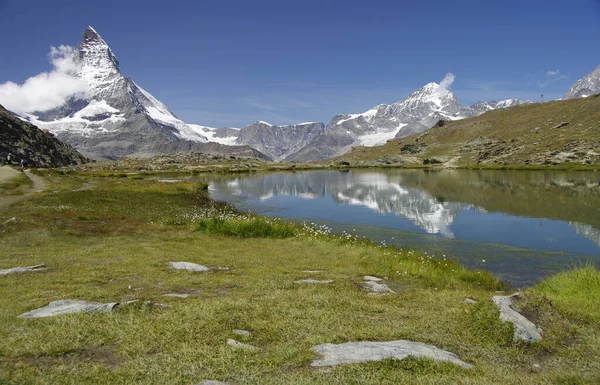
552	133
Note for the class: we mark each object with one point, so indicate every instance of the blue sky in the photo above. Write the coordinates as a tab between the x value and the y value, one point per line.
230	63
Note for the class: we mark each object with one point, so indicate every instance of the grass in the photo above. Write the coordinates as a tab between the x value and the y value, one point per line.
18	185
110	238
575	292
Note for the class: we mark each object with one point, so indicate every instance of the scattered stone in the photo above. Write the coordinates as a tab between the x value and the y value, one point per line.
168	181
11	220
23	269
470	300
175	295
240	345
310	280
535	368
560	125
377	288
524	329
69	306
241	332
365	351
188	266
371	278
212	382
313	271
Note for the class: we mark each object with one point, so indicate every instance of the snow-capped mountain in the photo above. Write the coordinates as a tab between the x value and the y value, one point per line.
416	113
586	86
483	107
116	117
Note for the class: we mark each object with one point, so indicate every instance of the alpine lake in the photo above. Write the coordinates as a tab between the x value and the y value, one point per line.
520	225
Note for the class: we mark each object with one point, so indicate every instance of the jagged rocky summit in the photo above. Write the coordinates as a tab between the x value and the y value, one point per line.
39	148
586	86
117	117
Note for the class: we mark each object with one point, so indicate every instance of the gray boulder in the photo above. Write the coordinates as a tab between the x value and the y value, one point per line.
188	266
23	269
365	351
525	330
69	306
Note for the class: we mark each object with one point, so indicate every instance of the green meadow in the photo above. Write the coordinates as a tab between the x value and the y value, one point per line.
110	238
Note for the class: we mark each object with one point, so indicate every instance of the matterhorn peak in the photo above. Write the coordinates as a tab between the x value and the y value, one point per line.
90	35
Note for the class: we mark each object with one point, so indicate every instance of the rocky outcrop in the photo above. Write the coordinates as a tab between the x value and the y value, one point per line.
38	147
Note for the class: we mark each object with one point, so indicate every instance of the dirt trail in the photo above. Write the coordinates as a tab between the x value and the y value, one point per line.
7	173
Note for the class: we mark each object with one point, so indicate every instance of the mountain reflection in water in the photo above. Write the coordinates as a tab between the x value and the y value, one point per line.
556	212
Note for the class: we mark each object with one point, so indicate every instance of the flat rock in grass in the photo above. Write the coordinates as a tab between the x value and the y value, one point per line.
313	271
23	269
240	345
176	295
470	301
314	281
212	382
240	332
11	220
525	330
377	288
365	351
188	266
69	306
372	279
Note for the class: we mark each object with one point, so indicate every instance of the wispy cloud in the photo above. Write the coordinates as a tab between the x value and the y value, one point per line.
553	73
46	90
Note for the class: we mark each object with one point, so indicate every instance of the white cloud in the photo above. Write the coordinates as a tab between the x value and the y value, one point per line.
446	83
553	73
46	90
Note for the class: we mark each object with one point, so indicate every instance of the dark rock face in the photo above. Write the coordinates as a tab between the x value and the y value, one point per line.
278	142
39	148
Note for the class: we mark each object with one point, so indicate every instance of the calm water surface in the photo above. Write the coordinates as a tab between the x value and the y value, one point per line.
521	225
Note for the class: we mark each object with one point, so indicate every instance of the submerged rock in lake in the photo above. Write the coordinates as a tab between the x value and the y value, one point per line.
524	329
69	306
23	269
365	351
240	345
310	280
188	266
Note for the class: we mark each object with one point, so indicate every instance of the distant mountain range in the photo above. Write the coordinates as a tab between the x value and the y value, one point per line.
119	118
316	141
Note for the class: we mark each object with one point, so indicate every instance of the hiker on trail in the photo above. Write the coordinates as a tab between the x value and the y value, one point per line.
23	164
9	159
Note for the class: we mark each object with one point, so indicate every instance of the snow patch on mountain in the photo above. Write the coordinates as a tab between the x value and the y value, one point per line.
212	134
